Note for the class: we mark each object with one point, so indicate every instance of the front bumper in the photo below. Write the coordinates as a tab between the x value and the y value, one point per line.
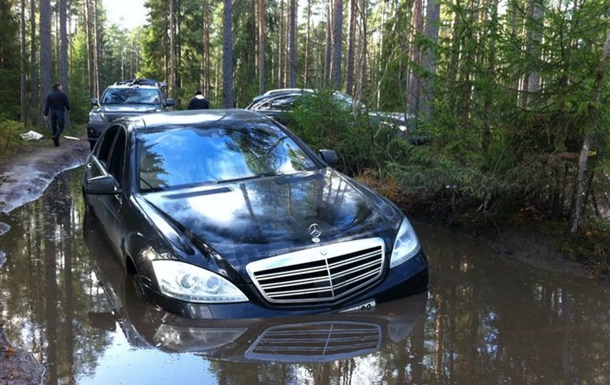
402	281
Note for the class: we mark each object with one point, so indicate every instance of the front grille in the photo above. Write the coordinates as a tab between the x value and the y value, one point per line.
319	274
316	341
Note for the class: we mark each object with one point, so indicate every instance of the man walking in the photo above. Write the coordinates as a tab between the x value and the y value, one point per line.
198	102
57	103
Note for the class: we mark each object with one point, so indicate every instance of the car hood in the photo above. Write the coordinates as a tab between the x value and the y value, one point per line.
259	218
127	108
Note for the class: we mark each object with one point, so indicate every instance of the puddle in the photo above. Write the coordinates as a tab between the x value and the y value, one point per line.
485	320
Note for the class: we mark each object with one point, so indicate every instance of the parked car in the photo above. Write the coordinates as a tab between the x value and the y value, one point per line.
126	98
312	338
227	214
280	103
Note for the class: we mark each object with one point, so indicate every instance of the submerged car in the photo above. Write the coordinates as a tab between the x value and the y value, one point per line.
307	338
227	214
126	98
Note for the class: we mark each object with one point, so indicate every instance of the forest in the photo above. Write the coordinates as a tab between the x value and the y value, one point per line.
513	94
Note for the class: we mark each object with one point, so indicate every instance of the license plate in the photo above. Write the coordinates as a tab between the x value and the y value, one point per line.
362	307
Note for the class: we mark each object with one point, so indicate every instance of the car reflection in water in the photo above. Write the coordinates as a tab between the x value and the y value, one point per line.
297	339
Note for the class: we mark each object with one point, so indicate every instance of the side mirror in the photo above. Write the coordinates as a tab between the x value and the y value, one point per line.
170	102
329	156
101	185
94	102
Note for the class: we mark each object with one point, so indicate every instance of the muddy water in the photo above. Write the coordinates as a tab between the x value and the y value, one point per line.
484	320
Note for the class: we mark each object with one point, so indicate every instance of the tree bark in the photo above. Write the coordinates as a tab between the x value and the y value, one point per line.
23	116
206	48
280	49
292	44
96	50
171	18
45	51
227	55
63	50
351	42
337	44
33	60
261	46
433	11
307	45
415	56
327	60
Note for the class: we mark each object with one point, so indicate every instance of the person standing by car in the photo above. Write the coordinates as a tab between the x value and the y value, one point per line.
57	104
198	102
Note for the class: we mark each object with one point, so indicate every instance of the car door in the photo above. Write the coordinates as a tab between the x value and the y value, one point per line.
110	160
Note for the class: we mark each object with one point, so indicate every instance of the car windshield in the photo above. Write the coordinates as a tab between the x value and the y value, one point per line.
130	96
190	156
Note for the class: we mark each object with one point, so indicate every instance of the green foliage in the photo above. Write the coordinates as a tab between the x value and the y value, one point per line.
323	121
591	247
10	70
10	138
498	150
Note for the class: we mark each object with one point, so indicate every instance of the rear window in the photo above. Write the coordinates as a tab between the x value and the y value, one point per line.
133	95
190	156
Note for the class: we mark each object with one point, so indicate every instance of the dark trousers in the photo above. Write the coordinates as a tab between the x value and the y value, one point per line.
57	123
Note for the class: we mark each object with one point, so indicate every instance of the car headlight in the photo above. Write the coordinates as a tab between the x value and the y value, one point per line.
97	118
193	284
406	244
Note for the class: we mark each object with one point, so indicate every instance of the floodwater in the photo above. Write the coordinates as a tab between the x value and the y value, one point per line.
484	320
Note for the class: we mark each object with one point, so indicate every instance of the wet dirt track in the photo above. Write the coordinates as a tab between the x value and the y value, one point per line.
485	319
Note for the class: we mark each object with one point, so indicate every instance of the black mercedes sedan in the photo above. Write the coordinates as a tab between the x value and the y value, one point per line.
227	214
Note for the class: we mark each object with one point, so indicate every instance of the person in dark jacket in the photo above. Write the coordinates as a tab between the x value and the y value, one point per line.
57	104
198	102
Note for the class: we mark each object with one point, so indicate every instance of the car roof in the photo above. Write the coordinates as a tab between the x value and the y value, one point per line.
195	117
279	92
142	82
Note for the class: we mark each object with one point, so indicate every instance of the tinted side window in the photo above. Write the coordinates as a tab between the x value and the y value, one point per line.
285	103
107	140
117	158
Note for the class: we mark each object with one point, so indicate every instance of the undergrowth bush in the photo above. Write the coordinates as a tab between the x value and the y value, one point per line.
10	135
591	247
323	121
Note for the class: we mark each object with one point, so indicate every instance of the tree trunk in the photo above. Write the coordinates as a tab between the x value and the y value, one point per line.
171	18
363	54
227	55
531	81
292	44
415	56
33	60
280	49
45	51
96	49
206	48
261	46
351	42
23	116
307	45
433	11
327	60
63	50
337	43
